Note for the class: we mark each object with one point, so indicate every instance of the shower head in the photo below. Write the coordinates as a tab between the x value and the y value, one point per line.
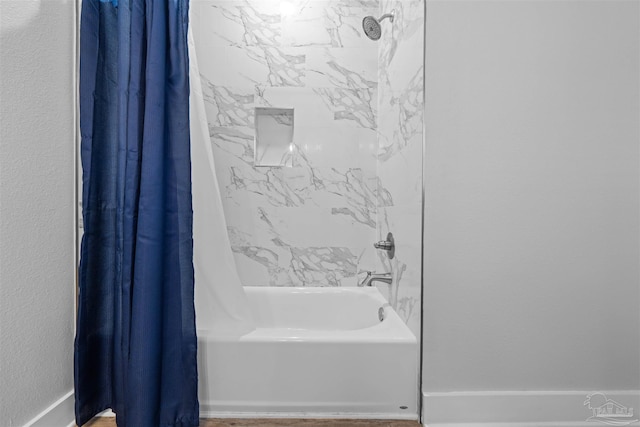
371	25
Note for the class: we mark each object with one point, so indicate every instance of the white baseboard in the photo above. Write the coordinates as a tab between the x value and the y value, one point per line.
454	409
308	415
520	408
59	414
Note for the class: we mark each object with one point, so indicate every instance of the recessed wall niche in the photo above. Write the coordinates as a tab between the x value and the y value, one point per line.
273	144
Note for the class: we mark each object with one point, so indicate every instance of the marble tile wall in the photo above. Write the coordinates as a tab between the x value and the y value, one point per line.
399	153
313	223
357	170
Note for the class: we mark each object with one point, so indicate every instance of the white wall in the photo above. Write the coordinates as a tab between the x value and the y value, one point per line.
36	206
532	196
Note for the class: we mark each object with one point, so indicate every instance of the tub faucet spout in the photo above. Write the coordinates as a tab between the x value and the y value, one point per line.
376	277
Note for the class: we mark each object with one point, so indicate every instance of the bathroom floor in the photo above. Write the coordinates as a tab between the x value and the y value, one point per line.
270	422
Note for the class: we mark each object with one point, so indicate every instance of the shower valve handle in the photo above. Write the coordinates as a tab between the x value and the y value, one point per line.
387	245
383	244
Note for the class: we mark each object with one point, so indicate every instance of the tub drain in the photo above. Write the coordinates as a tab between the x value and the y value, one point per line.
381	313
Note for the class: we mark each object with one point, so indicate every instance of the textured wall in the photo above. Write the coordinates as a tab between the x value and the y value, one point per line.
399	158
314	223
531	242
36	206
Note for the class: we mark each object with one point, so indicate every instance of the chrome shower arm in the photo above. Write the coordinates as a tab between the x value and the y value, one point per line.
391	16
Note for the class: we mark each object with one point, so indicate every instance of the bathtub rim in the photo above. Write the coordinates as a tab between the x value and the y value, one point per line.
392	329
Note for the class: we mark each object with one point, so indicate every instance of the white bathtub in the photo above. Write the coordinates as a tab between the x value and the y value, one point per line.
316	352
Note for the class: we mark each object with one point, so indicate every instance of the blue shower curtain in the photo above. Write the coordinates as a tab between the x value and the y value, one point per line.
135	347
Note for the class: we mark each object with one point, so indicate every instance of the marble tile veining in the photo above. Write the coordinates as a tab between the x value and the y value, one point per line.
352	68
294	266
286	66
399	157
328	24
357	107
356	146
324	266
227	106
237	141
234	23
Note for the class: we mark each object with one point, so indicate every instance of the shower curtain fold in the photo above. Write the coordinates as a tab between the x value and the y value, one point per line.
222	307
135	347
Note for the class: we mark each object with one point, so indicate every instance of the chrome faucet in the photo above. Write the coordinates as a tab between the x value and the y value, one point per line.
376	277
